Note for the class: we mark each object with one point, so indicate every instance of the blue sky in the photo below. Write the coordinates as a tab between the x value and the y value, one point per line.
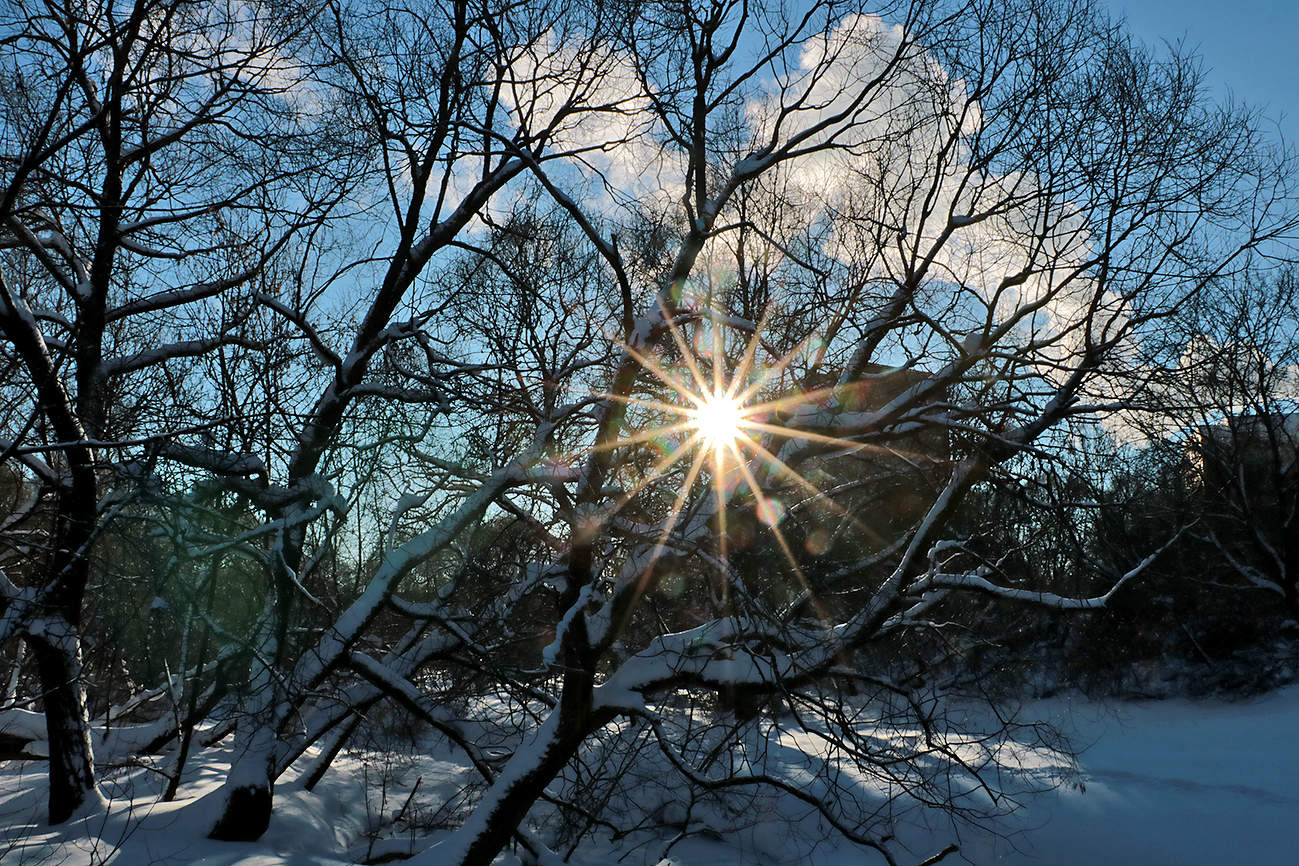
1251	47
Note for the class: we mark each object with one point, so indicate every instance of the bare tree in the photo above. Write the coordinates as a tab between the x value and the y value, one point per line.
149	165
425	88
651	365
842	251
1223	409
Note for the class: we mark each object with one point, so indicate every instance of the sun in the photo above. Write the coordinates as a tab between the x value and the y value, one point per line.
719	425
718	419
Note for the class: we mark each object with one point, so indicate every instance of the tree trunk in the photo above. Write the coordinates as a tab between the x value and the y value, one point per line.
57	651
247	812
248	789
337	740
534	765
54	637
250	785
11	690
506	803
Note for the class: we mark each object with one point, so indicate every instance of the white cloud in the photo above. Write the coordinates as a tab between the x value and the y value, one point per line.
885	167
891	167
592	105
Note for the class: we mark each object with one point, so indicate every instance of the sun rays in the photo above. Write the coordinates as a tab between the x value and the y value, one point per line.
723	419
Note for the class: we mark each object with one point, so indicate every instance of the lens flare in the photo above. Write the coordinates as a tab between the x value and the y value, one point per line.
718	420
721	427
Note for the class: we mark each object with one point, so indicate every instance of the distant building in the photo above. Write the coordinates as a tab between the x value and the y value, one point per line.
1248	454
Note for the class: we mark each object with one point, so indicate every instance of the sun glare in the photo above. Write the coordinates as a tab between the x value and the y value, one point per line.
718	419
719	428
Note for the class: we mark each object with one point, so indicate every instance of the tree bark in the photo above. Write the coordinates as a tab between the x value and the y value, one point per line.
495	820
249	789
57	652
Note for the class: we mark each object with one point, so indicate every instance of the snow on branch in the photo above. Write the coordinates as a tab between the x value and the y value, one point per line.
978	581
171	351
226	463
397	562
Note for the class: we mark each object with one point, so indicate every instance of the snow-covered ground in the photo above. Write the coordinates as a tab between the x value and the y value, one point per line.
1171	782
1162	782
